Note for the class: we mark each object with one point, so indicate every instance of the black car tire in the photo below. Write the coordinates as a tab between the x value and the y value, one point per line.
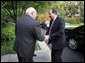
72	44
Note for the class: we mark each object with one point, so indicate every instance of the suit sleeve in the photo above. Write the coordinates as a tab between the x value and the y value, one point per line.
59	31
47	33
37	32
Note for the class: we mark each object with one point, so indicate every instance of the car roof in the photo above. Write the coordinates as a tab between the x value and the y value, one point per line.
79	27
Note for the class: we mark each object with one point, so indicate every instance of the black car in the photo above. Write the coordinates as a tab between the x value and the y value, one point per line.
75	38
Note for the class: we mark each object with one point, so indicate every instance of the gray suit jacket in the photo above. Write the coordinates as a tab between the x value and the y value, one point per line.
27	32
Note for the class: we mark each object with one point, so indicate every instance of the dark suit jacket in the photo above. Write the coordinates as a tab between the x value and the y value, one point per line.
57	35
27	32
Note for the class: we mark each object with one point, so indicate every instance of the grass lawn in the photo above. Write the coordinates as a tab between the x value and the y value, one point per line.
73	25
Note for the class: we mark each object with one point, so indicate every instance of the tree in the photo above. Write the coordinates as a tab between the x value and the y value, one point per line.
15	9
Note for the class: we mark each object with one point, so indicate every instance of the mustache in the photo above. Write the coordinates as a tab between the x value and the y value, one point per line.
50	16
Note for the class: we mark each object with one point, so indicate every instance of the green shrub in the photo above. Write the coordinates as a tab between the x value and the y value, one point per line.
80	19
74	20
7	39
8	32
3	23
70	20
7	48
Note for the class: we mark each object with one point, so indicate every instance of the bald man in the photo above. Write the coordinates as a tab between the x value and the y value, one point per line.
27	32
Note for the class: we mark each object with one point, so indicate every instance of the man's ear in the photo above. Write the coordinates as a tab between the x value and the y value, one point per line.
32	13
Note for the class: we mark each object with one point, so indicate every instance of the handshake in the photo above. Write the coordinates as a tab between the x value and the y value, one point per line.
46	38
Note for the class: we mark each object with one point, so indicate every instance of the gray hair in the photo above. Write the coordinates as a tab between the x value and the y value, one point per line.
29	10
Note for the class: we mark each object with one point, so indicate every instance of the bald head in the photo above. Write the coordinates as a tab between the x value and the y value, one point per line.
32	12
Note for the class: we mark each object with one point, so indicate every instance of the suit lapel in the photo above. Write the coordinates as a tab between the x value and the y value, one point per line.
53	25
55	22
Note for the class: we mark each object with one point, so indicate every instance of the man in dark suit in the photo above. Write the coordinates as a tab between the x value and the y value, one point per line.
56	35
27	32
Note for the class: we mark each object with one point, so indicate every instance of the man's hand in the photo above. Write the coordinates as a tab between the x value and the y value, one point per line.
46	38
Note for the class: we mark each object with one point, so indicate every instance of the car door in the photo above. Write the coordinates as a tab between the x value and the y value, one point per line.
81	36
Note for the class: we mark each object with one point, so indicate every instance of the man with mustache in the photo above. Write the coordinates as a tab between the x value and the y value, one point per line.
56	35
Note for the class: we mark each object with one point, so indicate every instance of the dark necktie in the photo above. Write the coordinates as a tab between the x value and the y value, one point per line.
51	27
